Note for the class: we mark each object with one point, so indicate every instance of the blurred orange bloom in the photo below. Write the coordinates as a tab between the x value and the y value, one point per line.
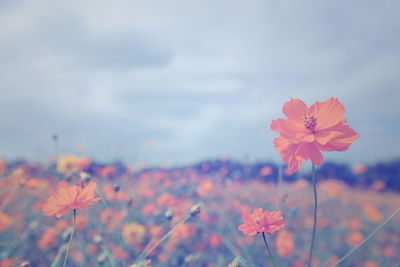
265	171
306	131
5	222
372	214
69	198
354	224
332	260
36	184
370	264
258	222
120	254
133	233
66	163
359	169
83	163
107	172
8	263
110	194
149	209
62	225
205	187
48	239
355	238
389	252
214	240
91	249
81	222
378	185
3	167
284	244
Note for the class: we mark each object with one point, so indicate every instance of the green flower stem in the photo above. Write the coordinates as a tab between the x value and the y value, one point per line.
70	239
166	236
315	216
108	254
269	250
151	242
58	256
368	237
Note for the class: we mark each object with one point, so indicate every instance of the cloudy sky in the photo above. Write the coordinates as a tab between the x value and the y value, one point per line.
197	79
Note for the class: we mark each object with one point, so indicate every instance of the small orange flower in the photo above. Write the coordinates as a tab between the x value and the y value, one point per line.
306	131
69	198
133	233
66	164
48	239
265	171
149	209
5	222
370	264
284	244
372	213
214	240
8	263
258	222
354	224
107	172
355	238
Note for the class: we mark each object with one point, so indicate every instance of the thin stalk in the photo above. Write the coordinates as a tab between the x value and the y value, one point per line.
58	256
103	199
269	250
315	215
234	231
9	198
150	242
70	239
108	254
166	236
368	238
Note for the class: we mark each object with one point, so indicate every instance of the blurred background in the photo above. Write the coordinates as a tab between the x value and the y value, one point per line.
175	82
165	104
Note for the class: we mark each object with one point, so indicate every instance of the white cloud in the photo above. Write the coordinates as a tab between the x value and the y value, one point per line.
200	78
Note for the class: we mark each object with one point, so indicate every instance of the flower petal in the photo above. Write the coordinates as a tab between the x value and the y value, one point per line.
324	136
62	184
295	109
341	142
288	129
328	113
308	151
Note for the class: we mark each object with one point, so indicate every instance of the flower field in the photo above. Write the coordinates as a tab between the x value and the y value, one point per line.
137	207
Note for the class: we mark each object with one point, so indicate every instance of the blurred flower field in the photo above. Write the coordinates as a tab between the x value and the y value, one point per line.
140	205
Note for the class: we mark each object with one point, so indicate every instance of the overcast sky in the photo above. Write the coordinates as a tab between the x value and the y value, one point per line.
200	79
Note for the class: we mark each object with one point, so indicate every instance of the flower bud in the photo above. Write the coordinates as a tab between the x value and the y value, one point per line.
101	259
67	233
116	188
85	176
238	262
196	209
169	214
129	203
97	239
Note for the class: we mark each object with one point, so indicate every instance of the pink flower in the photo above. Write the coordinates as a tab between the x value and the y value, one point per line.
306	131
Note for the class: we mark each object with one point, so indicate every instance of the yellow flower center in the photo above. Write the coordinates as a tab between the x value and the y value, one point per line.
309	121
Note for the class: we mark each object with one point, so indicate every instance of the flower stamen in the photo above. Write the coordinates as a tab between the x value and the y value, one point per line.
309	121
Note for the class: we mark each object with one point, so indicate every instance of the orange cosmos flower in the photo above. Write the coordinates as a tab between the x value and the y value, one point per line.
284	244
268	222
306	131
5	222
354	238
48	239
69	198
